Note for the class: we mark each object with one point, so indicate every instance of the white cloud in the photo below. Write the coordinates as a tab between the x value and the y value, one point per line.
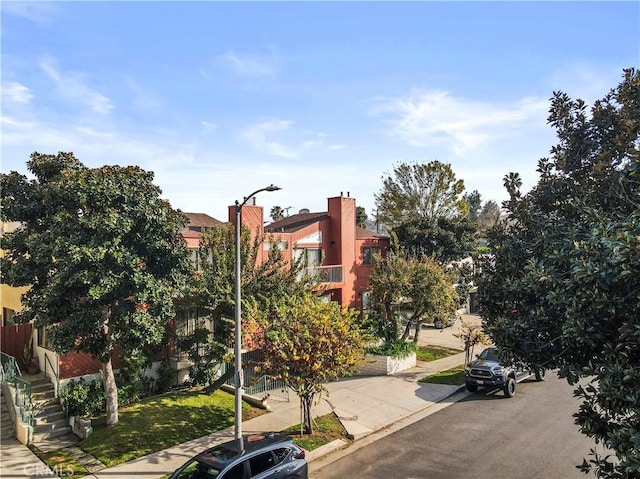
277	137
208	126
74	86
427	118
14	92
143	99
251	65
258	136
583	81
37	12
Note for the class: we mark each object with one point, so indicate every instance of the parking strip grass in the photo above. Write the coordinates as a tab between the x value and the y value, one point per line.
326	429
165	421
152	425
453	376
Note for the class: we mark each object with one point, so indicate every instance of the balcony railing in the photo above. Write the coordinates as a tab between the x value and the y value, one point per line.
325	274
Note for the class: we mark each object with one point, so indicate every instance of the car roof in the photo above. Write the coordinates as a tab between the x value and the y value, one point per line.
227	452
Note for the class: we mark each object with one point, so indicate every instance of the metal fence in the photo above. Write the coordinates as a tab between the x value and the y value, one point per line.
255	383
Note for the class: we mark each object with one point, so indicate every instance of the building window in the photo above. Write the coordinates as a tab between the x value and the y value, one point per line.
281	245
312	256
196	255
368	252
7	316
195	259
188	320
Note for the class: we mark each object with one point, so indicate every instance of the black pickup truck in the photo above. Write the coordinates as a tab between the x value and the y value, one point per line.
486	371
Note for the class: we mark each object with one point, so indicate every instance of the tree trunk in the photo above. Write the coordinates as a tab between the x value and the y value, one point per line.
418	328
217	384
307	400
110	392
405	334
391	319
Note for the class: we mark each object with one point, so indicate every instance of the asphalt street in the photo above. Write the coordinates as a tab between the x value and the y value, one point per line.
483	436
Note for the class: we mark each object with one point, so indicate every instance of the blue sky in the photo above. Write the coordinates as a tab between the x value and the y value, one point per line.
222	98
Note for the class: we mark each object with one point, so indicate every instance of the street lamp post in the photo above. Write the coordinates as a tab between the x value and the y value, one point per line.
238	322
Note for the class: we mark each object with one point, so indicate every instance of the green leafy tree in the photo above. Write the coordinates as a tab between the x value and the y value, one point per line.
445	239
102	254
562	287
308	342
388	280
361	217
420	191
276	213
212	292
489	216
420	287
512	182
474	202
462	272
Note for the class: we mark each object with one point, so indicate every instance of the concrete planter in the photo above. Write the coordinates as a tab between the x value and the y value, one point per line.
376	365
81	426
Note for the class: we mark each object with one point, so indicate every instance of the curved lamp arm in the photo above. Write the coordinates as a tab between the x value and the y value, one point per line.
271	187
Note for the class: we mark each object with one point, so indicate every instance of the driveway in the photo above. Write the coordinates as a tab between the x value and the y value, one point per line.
446	337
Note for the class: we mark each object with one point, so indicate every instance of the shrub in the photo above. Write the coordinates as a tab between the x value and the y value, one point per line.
166	376
84	398
396	349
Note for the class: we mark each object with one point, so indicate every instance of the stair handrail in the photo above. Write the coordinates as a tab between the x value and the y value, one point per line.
22	389
54	373
23	400
8	367
56	385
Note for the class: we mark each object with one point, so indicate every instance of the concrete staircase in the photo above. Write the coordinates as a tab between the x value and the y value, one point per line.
51	430
7	429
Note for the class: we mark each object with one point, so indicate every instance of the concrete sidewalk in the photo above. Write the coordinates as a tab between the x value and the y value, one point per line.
364	404
17	461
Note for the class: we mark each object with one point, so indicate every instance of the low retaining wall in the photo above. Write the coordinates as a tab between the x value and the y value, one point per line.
376	365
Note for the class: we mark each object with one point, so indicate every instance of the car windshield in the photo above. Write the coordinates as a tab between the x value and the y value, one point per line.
489	354
195	469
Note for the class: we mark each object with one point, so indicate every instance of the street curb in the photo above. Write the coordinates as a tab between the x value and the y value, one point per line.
326	449
323	452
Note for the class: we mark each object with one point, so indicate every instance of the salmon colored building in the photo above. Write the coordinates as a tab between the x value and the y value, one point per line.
335	248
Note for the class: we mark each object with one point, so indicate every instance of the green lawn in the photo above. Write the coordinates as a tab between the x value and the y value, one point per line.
431	353
164	421
152	425
454	377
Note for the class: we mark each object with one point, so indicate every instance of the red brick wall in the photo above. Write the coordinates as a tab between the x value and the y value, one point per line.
342	243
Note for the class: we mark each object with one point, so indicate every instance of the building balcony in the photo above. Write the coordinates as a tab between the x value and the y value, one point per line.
326	274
